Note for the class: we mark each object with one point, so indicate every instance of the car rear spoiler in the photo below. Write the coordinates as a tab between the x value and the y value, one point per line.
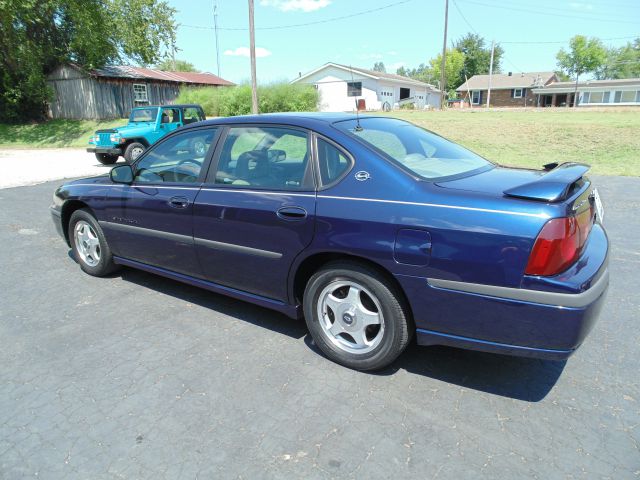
552	186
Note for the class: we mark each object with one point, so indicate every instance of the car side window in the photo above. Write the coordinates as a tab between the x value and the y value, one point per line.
332	161
170	115
269	157
178	159
191	115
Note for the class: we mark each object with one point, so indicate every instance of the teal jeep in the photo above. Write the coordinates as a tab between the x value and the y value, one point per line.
146	126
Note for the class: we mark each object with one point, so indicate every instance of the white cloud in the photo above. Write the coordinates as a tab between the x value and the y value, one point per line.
295	5
581	6
244	52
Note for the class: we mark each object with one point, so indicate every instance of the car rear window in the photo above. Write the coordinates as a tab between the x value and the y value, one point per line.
419	151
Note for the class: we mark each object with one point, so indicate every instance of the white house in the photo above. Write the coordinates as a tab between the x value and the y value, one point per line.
340	87
599	93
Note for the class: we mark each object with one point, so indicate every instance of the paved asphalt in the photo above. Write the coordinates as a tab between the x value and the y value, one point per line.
136	376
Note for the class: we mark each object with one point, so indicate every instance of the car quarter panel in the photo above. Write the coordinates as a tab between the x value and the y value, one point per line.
473	237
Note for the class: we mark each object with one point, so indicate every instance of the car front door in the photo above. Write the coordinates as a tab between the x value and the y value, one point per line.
256	211
151	220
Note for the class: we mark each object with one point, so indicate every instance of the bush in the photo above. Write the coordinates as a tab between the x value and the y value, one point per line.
229	101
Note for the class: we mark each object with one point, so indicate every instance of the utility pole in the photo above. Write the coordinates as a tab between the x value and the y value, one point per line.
493	46
215	27
443	76
252	52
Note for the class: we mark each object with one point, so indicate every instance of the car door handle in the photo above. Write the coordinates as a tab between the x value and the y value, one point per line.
178	202
292	213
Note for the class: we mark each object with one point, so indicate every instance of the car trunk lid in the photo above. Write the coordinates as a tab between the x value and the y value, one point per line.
550	186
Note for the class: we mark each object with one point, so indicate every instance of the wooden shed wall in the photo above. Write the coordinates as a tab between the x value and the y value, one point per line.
80	96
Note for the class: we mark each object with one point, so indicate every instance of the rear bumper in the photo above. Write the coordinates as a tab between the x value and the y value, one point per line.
108	150
528	322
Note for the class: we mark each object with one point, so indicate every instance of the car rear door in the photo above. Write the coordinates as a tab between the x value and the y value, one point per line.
151	220
256	211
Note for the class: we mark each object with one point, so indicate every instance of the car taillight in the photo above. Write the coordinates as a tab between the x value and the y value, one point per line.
559	244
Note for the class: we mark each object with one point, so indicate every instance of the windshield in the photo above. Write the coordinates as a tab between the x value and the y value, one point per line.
424	153
143	115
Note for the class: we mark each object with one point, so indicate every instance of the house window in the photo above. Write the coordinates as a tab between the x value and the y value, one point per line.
476	97
140	93
638	96
606	97
586	97
628	96
354	89
596	97
518	92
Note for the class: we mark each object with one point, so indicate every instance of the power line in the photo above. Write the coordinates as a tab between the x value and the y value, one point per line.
565	41
536	12
476	32
306	24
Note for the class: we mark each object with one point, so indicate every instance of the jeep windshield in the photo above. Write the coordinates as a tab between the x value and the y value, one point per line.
421	152
143	115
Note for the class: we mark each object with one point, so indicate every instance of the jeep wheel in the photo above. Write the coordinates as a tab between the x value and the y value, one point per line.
106	159
133	151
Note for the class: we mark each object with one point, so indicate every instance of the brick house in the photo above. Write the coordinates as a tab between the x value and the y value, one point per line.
507	89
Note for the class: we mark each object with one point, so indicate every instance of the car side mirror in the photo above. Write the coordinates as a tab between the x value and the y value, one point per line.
121	174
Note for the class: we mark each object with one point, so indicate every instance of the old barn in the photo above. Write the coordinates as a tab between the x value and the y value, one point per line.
111	92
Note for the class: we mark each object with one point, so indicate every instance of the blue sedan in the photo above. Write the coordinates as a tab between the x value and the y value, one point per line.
372	229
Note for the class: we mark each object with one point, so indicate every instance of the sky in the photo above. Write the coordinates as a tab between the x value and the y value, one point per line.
396	32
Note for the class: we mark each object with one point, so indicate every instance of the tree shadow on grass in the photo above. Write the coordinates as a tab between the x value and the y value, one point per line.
513	377
54	133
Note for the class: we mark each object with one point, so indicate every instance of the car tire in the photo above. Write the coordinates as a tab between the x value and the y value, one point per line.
90	248
106	159
386	107
133	151
341	303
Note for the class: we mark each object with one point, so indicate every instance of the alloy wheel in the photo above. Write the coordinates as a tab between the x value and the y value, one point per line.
87	243
351	316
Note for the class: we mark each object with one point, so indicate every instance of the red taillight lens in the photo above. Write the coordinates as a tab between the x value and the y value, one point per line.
559	244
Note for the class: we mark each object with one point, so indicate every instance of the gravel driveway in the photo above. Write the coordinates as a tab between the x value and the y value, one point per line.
31	166
136	376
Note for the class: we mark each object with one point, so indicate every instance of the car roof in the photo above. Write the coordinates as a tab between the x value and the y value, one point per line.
178	105
302	119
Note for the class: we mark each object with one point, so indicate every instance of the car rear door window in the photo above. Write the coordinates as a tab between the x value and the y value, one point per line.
332	161
178	159
274	158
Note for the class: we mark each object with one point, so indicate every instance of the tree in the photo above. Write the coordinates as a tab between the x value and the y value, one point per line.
477	56
453	66
585	55
38	35
379	67
178	66
402	71
623	62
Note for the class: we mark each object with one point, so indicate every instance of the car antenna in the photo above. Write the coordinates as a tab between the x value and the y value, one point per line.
358	127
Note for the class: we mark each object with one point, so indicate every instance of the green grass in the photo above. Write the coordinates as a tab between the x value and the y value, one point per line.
609	141
52	134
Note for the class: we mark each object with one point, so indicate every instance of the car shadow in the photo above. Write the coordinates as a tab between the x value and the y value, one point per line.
259	316
519	378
